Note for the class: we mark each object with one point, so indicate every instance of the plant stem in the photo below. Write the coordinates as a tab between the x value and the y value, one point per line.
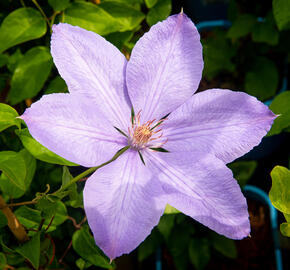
41	11
14	225
17	204
91	170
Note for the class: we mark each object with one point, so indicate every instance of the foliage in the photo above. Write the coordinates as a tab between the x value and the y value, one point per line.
43	193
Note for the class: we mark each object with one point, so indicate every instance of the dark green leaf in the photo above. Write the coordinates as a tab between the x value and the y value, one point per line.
285	229
280	191
149	245
242	26
159	12
165	225
13	167
39	151
31	250
57	85
84	244
119	38
281	10
3	220
21	25
265	31
3	60
262	79
280	106
8	117
224	245
14	59
199	252
218	54
108	17
59	5
30	74
48	206
2	260
243	170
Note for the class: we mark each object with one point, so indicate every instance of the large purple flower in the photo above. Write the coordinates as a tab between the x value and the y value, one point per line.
125	199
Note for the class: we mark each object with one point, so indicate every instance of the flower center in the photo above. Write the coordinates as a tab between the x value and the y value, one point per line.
145	135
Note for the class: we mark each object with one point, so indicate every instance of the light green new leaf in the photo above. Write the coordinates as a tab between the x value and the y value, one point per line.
159	12
106	18
13	167
280	190
39	151
59	5
285	229
84	244
199	252
12	190
262	79
170	210
242	26
31	250
8	117
281	10
21	25
30	74
280	106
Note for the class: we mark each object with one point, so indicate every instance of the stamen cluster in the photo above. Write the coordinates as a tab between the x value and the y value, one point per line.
145	135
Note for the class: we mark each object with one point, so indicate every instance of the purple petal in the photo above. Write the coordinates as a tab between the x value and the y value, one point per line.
121	205
165	67
71	126
222	122
201	186
93	67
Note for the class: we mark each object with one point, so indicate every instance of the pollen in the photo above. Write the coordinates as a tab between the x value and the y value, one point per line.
145	135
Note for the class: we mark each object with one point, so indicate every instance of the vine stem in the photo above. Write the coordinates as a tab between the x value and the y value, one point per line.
14	225
16	204
91	170
41	11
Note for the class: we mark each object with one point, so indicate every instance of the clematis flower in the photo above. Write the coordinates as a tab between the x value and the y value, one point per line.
124	200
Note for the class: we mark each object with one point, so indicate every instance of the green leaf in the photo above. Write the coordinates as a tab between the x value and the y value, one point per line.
149	245
59	5
280	106
262	79
218	54
14	59
13	166
170	210
3	220
150	3
2	260
224	245
57	85
31	250
119	38
30	218
3	60
281	10
287	217
30	74
81	264
242	26
285	229
280	190
265	31
39	151
243	170
84	244
199	252
8	117
9	188
21	25
165	225
108	17
159	12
